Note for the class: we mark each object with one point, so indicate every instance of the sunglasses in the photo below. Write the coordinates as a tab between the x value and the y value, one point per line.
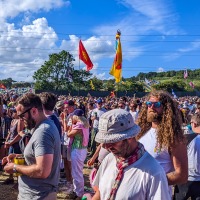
155	104
22	114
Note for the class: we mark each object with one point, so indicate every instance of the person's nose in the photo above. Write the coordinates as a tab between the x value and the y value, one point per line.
152	106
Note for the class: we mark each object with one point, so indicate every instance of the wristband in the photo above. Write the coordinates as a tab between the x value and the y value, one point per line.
14	168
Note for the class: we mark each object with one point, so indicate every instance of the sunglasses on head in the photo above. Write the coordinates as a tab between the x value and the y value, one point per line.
22	114
155	104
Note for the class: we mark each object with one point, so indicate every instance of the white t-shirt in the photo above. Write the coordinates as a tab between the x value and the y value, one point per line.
144	179
163	157
134	115
98	112
102	154
194	159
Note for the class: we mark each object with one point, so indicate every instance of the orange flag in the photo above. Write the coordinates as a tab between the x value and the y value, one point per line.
83	55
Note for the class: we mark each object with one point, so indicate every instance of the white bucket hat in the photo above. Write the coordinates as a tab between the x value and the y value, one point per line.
116	125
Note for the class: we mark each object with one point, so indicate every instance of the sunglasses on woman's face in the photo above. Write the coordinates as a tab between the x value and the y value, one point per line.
155	104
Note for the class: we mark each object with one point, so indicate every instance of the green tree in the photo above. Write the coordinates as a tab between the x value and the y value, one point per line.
55	73
177	85
52	74
109	85
80	80
131	86
21	85
7	82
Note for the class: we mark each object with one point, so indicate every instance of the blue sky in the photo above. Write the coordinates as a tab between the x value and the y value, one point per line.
157	35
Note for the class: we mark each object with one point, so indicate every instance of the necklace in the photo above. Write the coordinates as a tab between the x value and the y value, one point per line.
157	148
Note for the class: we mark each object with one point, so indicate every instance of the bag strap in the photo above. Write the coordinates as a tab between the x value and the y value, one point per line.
24	141
190	137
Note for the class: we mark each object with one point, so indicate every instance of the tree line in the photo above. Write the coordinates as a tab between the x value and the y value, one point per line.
58	73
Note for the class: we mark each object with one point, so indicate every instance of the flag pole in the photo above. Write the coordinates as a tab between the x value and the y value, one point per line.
79	79
79	71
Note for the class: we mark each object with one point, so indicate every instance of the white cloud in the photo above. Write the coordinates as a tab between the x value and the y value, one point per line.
101	76
144	18
94	71
195	45
24	49
192	46
97	47
160	69
21	49
11	8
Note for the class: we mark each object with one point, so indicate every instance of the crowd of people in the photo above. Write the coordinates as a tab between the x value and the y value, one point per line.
139	148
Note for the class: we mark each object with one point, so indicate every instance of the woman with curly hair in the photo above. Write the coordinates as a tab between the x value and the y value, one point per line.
162	135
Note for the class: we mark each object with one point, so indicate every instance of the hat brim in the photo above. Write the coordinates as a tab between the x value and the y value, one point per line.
103	137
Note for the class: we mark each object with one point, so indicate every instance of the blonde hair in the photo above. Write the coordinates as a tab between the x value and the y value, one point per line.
81	119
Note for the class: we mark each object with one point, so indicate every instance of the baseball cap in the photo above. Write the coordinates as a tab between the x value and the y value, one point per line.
78	112
99	101
116	125
14	97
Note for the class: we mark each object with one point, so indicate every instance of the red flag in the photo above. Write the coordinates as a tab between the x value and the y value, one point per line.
83	55
2	86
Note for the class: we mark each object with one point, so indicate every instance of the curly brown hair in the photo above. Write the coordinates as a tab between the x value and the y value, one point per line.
169	130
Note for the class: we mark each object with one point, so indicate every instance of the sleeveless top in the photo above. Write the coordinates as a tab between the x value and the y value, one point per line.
13	131
149	141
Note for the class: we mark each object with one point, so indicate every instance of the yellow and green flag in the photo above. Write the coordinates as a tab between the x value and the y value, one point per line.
116	69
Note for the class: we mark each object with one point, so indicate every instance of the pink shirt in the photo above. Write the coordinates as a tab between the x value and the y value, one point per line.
85	132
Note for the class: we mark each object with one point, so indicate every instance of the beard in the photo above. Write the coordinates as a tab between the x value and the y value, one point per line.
30	122
153	117
122	151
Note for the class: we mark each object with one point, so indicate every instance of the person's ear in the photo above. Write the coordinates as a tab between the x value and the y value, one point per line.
34	110
195	125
